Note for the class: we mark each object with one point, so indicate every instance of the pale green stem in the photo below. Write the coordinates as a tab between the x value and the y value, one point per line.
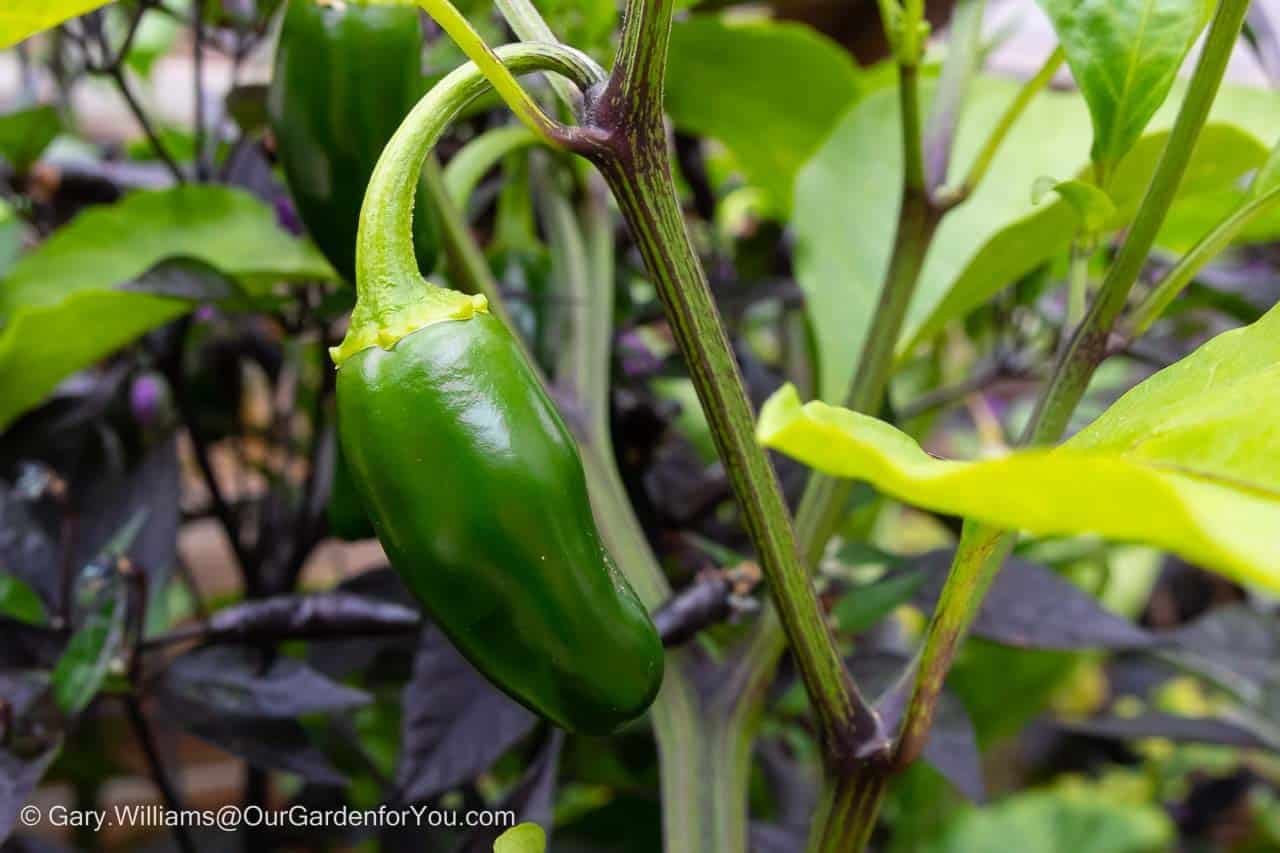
982	161
504	82
1077	284
528	25
1210	246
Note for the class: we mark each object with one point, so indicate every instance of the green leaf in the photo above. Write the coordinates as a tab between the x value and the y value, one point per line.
719	84
524	838
26	133
1268	174
863	606
64	305
1124	55
84	664
1183	461
22	18
19	601
1067	820
1092	205
997	237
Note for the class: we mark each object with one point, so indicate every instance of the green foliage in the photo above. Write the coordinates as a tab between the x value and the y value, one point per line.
1093	207
84	664
999	235
718	86
524	838
26	133
63	307
1124	55
22	18
1061	821
19	601
1182	461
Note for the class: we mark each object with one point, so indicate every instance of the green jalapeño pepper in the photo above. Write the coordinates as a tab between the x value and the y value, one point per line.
345	75
472	481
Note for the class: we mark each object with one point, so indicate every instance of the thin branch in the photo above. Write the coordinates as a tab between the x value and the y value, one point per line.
964	49
1175	281
117	75
197	73
158	774
982	162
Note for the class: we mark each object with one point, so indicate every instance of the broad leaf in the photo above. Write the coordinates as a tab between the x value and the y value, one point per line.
94	286
998	236
1183	461
22	18
1031	607
235	682
1124	55
719	85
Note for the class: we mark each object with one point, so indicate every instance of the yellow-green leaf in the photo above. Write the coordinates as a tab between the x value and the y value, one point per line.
1188	460
524	838
22	18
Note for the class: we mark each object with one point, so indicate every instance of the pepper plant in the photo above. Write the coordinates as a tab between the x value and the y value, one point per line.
955	240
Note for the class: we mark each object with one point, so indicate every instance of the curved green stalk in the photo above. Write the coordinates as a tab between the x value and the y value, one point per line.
504	82
392	297
1209	247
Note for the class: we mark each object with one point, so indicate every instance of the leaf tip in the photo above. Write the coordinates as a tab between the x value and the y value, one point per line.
777	413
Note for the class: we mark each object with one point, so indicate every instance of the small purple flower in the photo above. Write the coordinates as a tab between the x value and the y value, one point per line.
149	399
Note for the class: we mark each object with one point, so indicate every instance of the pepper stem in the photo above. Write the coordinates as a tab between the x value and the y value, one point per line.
392	297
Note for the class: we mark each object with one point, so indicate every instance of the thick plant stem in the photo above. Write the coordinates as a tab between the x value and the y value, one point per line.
648	204
635	163
982	548
846	816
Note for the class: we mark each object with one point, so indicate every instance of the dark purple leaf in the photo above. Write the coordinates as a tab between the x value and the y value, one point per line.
532	799
1170	727
952	748
1031	607
235	682
26	550
18	778
392	653
184	278
27	646
268	744
1235	643
107	500
455	724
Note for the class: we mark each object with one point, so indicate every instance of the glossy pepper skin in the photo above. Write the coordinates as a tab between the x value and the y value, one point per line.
344	512
477	493
345	76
